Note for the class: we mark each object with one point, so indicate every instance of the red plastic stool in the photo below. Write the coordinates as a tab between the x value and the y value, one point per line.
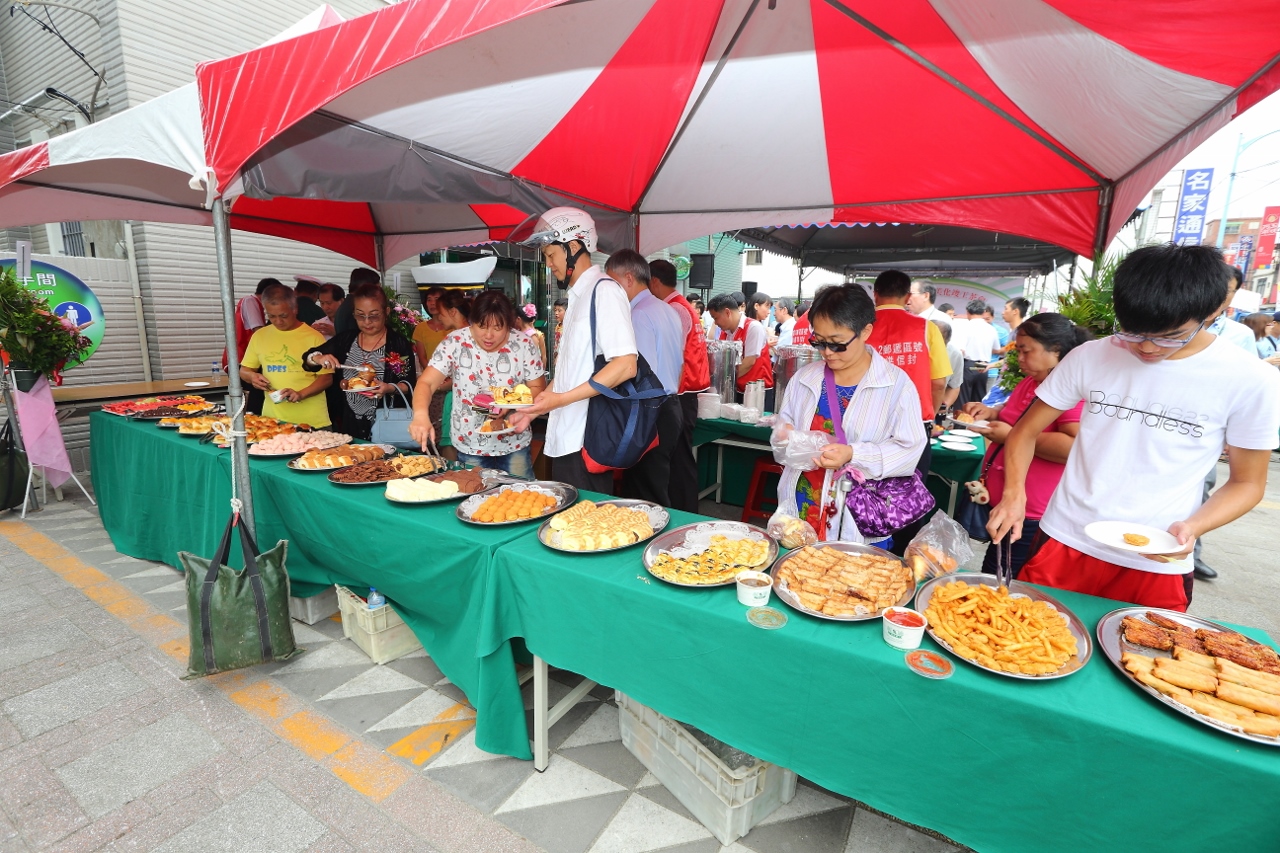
755	507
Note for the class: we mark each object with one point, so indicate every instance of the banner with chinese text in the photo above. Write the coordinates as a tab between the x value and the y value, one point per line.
1267	238
1193	203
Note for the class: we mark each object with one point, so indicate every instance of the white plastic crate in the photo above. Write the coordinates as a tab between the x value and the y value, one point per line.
728	802
381	633
311	610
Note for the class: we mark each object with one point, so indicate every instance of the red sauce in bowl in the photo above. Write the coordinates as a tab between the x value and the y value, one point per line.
905	618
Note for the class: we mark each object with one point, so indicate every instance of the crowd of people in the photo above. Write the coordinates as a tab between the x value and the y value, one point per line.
1127	428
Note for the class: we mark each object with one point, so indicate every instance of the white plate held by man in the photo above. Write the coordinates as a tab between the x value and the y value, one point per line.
1112	533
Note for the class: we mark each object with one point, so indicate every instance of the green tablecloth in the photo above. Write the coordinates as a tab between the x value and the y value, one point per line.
1083	763
160	492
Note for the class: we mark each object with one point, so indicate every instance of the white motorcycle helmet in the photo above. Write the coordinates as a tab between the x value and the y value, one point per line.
560	225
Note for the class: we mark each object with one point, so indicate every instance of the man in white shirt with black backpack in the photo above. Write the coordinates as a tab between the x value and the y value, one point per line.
567	236
1162	396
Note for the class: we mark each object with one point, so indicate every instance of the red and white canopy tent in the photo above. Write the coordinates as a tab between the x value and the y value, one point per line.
668	119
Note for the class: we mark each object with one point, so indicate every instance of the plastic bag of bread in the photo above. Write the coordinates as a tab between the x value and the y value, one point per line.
941	546
797	448
790	531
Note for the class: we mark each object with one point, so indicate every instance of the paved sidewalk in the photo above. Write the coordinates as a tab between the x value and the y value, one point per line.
104	747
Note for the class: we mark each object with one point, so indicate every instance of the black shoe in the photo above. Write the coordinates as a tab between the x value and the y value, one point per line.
1204	573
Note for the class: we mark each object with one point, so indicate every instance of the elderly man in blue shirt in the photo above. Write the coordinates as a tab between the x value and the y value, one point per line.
660	339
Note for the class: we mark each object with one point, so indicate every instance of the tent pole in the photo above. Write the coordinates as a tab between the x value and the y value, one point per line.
380	259
235	393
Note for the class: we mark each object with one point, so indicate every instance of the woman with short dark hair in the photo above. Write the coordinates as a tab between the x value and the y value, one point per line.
372	342
1042	342
878	408
488	353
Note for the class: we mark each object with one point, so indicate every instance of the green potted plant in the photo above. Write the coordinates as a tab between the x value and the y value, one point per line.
36	340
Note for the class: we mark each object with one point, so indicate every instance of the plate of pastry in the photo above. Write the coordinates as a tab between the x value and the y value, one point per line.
595	526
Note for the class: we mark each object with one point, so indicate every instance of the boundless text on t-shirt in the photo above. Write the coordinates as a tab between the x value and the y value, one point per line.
1148	413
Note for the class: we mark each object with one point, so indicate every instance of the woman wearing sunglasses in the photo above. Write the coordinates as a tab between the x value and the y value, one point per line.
1042	341
875	402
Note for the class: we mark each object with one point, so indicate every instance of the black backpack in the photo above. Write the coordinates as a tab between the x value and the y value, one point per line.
622	422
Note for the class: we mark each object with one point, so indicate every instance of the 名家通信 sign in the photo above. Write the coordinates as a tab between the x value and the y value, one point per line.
1193	204
69	298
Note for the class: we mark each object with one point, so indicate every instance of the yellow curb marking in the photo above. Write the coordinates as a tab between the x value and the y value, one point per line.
313	734
362	767
368	771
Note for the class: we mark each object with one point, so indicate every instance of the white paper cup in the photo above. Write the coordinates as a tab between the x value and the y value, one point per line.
277	396
753	593
902	636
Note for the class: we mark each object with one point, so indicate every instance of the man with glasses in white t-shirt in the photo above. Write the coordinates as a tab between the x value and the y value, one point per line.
1162	396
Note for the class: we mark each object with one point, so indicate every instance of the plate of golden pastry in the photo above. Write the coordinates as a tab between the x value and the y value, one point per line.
595	526
517	503
842	581
709	553
1217	677
342	456
1015	631
517	397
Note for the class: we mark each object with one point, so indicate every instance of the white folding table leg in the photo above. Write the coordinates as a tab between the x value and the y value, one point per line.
544	718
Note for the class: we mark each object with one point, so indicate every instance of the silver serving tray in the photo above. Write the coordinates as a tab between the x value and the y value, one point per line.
1084	641
664	518
1112	642
387	450
791	600
566	495
675	537
148	416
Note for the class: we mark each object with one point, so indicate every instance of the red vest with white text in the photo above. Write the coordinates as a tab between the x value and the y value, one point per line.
900	337
763	367
696	373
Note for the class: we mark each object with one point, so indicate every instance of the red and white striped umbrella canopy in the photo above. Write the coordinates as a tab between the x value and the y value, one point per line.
669	119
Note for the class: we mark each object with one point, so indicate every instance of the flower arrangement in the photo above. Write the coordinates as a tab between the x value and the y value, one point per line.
32	335
401	317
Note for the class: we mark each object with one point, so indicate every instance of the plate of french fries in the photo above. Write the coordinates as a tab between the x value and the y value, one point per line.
1210	673
1017	632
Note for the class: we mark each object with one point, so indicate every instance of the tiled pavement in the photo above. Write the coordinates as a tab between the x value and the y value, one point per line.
102	746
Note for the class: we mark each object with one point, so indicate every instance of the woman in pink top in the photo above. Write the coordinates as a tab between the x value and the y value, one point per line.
1043	341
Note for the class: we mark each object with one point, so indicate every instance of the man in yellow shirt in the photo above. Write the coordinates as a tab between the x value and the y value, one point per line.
273	362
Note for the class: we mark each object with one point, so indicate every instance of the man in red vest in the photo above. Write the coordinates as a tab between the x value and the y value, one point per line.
695	376
756	362
914	345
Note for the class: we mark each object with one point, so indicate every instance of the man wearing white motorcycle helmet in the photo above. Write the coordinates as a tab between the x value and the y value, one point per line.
567	236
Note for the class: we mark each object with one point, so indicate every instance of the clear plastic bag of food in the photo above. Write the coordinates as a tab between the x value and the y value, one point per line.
790	531
797	448
941	546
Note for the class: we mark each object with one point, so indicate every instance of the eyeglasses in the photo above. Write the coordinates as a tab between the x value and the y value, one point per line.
833	346
1167	343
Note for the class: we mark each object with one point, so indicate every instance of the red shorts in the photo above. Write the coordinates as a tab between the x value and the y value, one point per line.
1053	564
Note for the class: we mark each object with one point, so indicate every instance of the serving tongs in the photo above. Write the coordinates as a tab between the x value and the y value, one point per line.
1004	561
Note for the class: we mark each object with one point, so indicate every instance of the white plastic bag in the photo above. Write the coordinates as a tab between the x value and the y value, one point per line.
790	531
940	547
796	448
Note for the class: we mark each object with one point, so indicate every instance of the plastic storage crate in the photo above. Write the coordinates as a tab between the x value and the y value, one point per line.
728	802
380	633
311	610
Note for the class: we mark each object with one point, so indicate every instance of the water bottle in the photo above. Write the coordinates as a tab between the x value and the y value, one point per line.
215	370
375	599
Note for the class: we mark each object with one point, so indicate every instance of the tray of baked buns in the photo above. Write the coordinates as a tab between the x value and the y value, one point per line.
342	456
1216	676
597	526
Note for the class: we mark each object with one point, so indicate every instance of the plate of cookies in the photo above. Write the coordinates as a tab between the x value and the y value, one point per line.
843	581
1127	536
595	526
515	504
709	553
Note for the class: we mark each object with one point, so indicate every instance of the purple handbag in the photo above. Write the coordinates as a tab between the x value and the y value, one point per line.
878	507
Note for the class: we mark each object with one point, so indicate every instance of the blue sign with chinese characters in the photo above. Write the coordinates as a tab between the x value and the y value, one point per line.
1193	203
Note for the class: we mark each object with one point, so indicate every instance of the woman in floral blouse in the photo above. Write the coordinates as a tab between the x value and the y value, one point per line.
371	342
487	353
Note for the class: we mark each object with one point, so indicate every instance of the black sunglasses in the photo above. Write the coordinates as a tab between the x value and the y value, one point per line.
831	345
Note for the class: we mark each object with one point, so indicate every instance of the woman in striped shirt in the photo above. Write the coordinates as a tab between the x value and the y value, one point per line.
879	410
